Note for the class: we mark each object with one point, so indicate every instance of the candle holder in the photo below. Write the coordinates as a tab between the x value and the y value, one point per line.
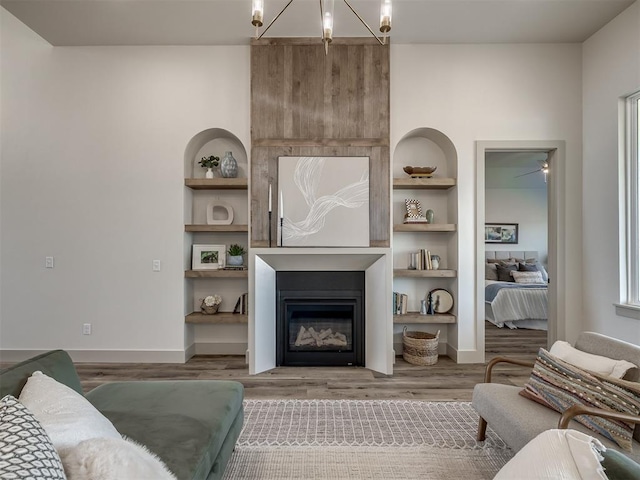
269	228
281	223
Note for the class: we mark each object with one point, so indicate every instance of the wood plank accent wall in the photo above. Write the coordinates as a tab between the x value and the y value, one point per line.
304	103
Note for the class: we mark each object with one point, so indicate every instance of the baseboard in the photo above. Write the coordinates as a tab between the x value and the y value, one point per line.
226	348
465	356
102	356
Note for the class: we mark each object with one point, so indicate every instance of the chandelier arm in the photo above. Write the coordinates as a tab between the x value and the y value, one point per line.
363	22
274	19
321	20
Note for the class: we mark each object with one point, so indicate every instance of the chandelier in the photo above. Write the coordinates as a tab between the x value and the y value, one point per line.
326	19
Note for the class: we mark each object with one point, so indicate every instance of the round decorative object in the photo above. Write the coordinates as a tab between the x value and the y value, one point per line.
215	210
235	260
208	173
204	308
228	166
442	300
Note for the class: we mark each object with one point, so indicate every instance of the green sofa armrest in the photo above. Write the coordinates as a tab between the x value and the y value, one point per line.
57	364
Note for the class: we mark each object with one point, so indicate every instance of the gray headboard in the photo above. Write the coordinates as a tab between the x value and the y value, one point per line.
504	254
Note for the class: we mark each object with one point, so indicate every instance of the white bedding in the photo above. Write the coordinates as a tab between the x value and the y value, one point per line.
518	308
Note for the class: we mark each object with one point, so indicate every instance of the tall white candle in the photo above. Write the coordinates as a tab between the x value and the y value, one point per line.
281	206
269	198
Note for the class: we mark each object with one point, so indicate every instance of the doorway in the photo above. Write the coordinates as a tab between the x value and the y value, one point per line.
554	150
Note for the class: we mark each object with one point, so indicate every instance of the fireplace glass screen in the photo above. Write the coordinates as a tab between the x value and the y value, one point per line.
326	328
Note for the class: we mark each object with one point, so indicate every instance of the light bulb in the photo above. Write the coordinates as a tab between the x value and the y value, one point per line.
327	26
257	9
385	16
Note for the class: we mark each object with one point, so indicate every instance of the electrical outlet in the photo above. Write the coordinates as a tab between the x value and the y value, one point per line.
48	262
86	329
157	265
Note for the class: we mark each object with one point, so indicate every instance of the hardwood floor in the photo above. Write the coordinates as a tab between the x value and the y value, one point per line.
445	380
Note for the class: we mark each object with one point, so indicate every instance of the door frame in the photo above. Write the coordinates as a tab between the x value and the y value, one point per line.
556	181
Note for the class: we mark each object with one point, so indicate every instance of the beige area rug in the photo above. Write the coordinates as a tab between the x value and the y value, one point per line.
363	439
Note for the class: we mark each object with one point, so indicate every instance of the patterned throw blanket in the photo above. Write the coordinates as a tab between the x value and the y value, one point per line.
492	289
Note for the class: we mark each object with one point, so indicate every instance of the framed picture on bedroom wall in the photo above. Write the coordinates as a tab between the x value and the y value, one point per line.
500	233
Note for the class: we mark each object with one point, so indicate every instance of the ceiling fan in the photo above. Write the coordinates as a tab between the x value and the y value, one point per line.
544	168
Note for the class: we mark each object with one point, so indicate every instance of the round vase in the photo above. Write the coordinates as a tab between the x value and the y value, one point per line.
228	166
208	173
429	216
235	260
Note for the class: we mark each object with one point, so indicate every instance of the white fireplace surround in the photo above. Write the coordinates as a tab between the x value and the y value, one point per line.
375	262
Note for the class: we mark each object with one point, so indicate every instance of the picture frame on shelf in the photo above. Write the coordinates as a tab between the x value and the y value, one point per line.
208	257
501	233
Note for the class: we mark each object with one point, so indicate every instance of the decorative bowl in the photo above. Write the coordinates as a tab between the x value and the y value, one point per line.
419	171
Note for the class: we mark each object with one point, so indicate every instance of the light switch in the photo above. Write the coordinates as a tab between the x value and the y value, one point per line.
48	262
157	265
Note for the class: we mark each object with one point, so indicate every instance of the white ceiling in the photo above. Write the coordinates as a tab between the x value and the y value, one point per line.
514	169
227	22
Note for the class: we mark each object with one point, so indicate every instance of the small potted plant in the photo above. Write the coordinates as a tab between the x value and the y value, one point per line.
210	304
209	163
235	255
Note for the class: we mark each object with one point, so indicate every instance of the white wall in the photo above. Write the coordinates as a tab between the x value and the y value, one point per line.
494	92
92	173
525	206
611	69
92	170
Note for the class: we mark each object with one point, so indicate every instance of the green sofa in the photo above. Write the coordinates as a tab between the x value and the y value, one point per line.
192	425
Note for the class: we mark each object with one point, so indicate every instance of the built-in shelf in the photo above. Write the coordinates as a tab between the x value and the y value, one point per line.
216	183
433	183
424	227
404	272
415	317
234	228
220	317
216	274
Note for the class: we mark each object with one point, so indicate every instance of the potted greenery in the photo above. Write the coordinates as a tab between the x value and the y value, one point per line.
209	163
235	255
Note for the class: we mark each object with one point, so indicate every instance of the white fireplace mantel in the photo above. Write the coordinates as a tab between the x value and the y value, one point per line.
375	262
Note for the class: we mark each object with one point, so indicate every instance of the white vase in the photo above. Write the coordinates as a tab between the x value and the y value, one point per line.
208	173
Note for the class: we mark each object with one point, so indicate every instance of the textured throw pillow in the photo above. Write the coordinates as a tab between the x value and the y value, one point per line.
26	450
113	459
588	361
490	271
527	267
504	272
527	277
66	415
559	385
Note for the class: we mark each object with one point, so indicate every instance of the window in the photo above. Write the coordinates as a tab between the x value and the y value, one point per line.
630	293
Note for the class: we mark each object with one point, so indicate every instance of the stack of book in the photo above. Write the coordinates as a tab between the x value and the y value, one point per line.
242	305
400	303
422	260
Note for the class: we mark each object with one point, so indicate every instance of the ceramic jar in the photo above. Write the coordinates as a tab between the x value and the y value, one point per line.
228	166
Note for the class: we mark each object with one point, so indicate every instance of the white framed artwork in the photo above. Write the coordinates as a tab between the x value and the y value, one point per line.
208	257
324	201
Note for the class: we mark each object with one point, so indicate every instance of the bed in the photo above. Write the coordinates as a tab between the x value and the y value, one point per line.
512	304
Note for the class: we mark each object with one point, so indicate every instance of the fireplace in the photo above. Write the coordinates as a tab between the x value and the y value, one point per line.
320	318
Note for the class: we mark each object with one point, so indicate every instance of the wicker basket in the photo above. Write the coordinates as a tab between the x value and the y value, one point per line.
420	348
208	310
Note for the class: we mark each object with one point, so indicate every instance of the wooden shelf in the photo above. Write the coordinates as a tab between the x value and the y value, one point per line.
217	228
216	183
433	183
404	272
415	317
424	227
220	317
216	274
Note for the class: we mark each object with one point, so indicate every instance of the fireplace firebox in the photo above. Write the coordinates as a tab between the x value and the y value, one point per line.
320	318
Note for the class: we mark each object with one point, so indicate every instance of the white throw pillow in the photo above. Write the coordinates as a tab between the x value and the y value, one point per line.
113	459
67	416
588	361
527	277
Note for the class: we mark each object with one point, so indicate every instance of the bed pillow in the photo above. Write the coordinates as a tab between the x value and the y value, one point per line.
504	272
527	267
588	361
490	272
527	277
26	450
66	415
559	385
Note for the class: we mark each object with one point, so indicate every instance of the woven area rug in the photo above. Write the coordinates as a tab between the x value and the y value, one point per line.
363	439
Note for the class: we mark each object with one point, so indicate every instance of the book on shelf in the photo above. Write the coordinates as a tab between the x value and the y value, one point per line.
237	267
242	305
400	301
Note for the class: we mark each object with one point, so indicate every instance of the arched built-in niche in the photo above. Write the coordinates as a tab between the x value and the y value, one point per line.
425	147
213	141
